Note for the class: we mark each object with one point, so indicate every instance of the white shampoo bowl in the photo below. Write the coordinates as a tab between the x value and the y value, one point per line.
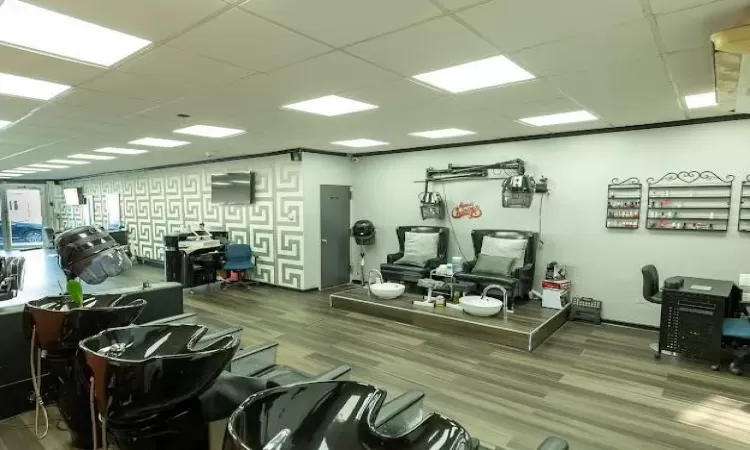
387	291
478	306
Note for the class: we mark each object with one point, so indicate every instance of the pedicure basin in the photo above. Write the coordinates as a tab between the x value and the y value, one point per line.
387	291
334	415
480	306
56	326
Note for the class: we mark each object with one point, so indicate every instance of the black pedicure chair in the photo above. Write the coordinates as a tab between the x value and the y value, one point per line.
56	327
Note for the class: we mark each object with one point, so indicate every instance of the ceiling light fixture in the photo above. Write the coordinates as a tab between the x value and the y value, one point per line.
559	119
70	162
6	176
120	151
494	71
35	169
156	142
359	143
705	100
210	131
21	171
29	87
47	166
330	105
92	157
443	133
4	123
32	27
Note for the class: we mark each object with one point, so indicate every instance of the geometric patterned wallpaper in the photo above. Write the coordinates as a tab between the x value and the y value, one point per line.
158	202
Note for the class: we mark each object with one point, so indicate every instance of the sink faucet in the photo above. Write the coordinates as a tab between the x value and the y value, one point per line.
505	297
379	279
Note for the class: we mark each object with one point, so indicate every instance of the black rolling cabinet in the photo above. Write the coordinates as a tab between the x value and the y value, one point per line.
743	222
692	317
624	203
689	201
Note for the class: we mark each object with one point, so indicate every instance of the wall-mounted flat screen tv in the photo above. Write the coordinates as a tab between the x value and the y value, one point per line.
234	188
73	196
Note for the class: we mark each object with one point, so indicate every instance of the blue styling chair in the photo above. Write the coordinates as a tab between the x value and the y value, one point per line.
239	260
736	336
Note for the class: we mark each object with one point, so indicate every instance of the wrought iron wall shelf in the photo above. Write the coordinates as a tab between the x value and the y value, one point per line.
624	203
690	201
743	221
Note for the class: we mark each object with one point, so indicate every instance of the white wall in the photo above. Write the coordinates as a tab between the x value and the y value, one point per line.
319	170
602	263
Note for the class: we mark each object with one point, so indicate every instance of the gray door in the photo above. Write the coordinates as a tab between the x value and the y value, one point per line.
334	235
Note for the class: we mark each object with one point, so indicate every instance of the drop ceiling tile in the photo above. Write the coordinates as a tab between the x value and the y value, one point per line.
47	68
513	25
340	23
621	43
454	5
136	86
394	94
146	19
433	45
505	96
668	6
171	65
106	106
692	28
541	108
13	108
242	39
7	152
332	73
707	112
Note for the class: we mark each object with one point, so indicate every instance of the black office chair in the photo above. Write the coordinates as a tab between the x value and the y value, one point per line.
651	292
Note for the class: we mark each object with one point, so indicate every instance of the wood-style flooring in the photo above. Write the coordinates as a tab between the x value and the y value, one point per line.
597	386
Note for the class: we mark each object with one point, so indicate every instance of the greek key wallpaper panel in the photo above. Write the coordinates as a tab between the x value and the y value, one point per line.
158	202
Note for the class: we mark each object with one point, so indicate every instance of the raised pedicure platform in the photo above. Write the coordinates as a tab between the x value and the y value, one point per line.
526	328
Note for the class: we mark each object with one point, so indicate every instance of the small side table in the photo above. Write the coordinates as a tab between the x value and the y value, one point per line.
455	286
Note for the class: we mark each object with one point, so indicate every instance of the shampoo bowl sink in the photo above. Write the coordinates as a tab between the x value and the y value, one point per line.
139	371
61	325
387	291
333	415
478	306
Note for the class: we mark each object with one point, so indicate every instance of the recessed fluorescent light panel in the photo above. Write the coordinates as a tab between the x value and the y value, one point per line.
209	131
35	169
359	143
120	151
484	73
4	123
21	171
560	119
156	142
32	27
701	100
12	175
330	105
47	166
29	87
444	133
92	157
70	162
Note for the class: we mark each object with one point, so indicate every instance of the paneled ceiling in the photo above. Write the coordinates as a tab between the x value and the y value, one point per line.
234	64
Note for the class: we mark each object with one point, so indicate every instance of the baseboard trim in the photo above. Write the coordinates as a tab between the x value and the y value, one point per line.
631	325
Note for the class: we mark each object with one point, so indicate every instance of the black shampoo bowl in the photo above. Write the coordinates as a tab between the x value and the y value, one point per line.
337	415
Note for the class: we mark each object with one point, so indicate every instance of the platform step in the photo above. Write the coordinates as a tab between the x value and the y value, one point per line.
401	414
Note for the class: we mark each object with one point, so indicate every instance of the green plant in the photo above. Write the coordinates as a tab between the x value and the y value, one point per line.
75	291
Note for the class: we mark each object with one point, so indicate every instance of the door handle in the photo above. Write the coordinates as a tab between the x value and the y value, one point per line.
325	241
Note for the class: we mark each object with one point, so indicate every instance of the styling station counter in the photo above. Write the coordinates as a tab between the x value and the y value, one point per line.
526	328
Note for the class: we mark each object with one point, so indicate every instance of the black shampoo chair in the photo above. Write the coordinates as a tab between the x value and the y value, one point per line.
392	271
521	280
651	292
